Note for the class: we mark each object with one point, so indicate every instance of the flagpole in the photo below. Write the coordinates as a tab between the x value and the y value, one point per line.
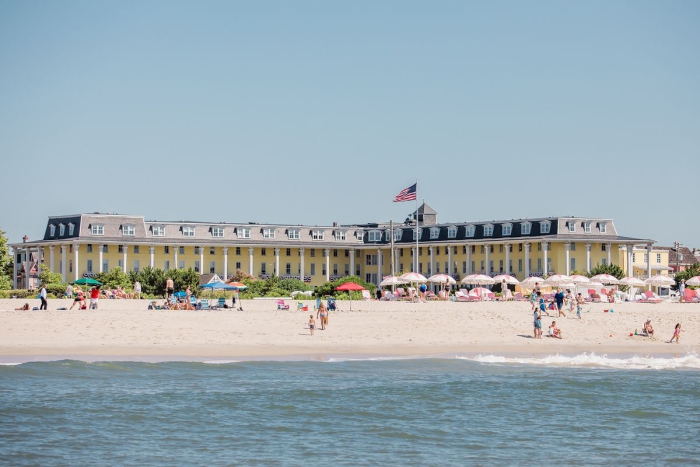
415	268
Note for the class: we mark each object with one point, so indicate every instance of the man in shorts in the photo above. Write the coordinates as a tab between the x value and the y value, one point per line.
169	288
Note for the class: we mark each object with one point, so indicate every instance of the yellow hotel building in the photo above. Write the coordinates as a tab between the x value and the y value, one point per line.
84	244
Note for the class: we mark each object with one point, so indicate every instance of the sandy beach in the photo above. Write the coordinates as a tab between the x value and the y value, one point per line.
126	330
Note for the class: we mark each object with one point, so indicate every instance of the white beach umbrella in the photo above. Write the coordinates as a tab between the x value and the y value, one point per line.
392	280
558	279
605	279
442	278
531	281
413	277
509	279
660	281
595	285
693	281
478	279
632	282
578	279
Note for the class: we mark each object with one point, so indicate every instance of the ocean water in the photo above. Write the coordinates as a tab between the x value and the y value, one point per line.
484	410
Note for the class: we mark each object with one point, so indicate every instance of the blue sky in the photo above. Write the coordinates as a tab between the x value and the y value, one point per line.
313	111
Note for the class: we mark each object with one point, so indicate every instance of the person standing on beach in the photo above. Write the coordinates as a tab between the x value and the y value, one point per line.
169	288
236	298
312	324
676	334
537	324
322	314
137	290
681	291
94	296
69	291
559	298
42	296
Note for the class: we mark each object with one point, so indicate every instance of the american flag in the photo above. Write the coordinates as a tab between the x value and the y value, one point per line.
407	194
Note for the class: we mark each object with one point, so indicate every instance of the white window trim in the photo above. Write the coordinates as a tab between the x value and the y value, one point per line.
488	230
52	230
525	228
603	227
269	232
470	231
293	234
360	235
434	233
571	225
71	228
125	231
242	232
160	229
398	233
544	224
61	230
217	232
97	229
317	234
374	236
186	229
340	234
452	232
417	233
509	227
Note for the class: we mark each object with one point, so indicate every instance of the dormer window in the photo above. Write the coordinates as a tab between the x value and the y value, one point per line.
452	232
340	235
397	234
158	231
61	230
470	231
374	236
572	226
97	229
417	233
217	232
525	228
52	230
488	230
293	234
507	229
587	227
188	231
359	234
243	232
71	228
269	233
603	227
128	231
317	234
434	233
545	227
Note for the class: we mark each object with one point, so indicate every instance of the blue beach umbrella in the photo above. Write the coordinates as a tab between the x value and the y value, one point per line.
180	294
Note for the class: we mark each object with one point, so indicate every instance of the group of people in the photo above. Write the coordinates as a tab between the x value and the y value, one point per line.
322	313
80	298
648	330
559	304
553	331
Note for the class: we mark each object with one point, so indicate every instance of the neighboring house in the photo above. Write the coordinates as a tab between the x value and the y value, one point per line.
680	259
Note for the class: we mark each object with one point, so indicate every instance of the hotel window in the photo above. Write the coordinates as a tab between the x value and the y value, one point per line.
238	251
371	260
545	227
520	247
335	253
602	226
397	234
525	228
238	265
137	250
52	230
96	229
105	265
646	258
312	252
359	235
128	231
263	251
572	226
483	249
317	235
340	235
452	232
658	258
288	269
374	236
243	232
470	231
464	267
335	269
313	269
447	250
634	258
212	267
196	250
289	252
263	269
137	265
587	227
491	248
417	233
182	264
604	261
500	248
166	265
212	250
603	247
217	232
474	249
61	230
507	229
488	230
572	266
573	246
181	250
89	247
89	266
434	233
293	234
520	265
120	249
188	231
268	233
71	228
158	231
196	266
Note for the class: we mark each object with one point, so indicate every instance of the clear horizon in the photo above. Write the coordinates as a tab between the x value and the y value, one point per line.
315	112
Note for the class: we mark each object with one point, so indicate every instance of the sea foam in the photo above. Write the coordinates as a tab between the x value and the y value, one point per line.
689	361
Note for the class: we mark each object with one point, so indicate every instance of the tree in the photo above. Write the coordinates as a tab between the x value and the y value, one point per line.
691	271
612	269
115	277
48	277
6	261
329	287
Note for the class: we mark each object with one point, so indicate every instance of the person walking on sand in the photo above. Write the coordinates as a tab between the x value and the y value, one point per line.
42	296
69	291
681	291
137	291
236	298
94	296
559	298
169	288
322	313
676	334
312	324
535	321
79	299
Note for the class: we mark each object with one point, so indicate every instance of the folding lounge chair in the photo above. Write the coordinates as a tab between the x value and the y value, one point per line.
690	296
281	305
205	304
221	303
594	296
649	297
302	307
519	297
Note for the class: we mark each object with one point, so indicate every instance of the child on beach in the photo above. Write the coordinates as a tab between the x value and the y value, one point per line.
579	305
537	323
676	334
312	324
543	308
554	331
533	300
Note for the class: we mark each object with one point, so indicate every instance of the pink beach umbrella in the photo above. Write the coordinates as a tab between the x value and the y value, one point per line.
414	277
578	279
605	279
632	282
558	279
532	281
478	279
693	281
509	279
442	279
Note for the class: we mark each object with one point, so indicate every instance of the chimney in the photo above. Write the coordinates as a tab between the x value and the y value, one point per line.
25	239
335	224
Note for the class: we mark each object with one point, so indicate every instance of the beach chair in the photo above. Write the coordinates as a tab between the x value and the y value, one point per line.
204	305
430	295
331	304
221	303
302	307
281	305
649	297
400	293
519	297
193	302
690	296
595	298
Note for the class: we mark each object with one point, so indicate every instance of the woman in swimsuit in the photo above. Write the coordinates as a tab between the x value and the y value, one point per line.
322	313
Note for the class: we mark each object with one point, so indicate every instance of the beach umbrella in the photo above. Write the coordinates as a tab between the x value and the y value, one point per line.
693	281
413	277
532	281
216	286
349	287
605	279
478	279
632	282
509	279
237	285
180	294
595	285
660	281
87	281
442	279
392	280
579	279
558	279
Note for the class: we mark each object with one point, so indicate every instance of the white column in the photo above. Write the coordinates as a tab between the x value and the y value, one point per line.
567	246
588	257
487	249
527	260
225	264
76	263
51	261
630	265
379	266
201	260
469	259
327	252
609	248
176	250
545	269
125	248
649	261
152	251
432	259
414	262
277	262
63	262
450	268
26	268
397	261
15	252
301	264
507	246
100	248
352	262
